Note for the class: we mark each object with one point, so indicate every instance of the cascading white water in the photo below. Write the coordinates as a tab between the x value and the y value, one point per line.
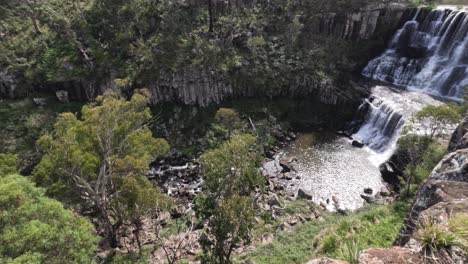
430	53
384	114
381	123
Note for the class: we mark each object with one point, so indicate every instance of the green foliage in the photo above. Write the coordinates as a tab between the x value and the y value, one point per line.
228	118
22	123
430	158
230	174
233	167
37	229
433	236
7	164
102	159
423	154
354	233
437	238
458	225
337	236
142	41
230	224
435	119
424	151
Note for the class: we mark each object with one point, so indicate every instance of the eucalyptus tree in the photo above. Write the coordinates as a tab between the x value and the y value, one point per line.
231	174
102	158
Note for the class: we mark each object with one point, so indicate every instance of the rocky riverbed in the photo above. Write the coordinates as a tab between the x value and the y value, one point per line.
327	169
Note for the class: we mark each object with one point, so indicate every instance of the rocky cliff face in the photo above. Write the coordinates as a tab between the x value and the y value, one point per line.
445	192
8	84
202	86
364	25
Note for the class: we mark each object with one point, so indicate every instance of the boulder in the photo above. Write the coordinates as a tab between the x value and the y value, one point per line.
304	194
274	200
344	134
453	167
292	135
326	261
292	221
62	96
459	138
40	101
393	255
357	143
384	192
285	164
390	174
267	239
283	227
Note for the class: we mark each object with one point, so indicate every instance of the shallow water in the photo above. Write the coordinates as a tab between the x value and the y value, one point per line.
333	171
329	167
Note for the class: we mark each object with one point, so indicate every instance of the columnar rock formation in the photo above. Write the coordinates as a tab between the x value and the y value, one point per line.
196	85
363	25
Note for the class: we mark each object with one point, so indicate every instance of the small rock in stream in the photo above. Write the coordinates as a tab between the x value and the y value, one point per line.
357	144
304	195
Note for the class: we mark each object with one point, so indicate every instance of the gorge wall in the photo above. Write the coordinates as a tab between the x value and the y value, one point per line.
373	24
202	85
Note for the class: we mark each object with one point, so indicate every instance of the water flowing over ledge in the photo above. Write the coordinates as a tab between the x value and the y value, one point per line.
429	54
384	114
334	172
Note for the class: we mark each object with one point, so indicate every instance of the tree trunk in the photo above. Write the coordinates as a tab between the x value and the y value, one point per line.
109	229
137	234
210	14
408	180
35	24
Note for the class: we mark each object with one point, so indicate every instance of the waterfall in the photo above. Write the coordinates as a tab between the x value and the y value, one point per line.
429	53
384	113
381	123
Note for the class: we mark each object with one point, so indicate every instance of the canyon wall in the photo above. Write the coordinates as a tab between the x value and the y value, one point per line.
201	86
373	26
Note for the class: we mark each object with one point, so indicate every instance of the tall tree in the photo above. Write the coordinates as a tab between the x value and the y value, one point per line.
101	157
434	120
231	173
37	229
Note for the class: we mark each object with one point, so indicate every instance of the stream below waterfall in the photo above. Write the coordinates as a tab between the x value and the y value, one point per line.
334	172
428	59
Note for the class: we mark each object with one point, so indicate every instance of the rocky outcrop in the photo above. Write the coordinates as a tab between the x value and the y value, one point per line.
445	187
8	84
195	86
394	255
364	24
